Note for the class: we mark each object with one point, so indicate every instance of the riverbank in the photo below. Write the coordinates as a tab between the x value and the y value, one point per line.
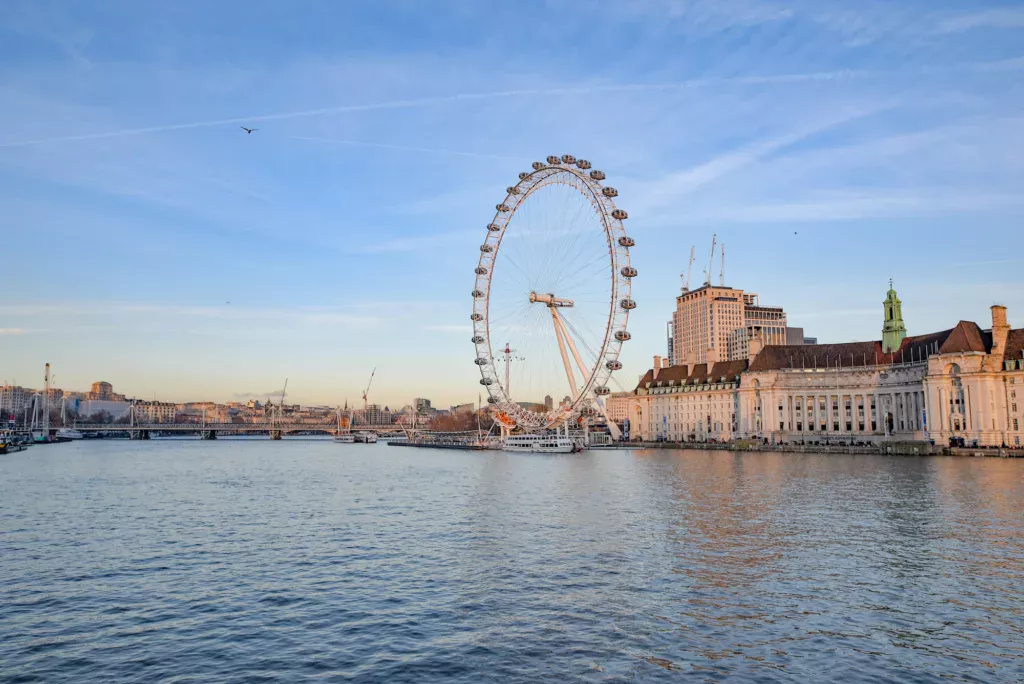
888	449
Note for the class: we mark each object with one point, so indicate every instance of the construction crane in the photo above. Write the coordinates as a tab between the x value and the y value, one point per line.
689	270
711	260
366	392
721	274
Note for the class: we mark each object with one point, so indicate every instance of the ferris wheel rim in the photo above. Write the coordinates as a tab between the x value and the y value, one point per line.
568	171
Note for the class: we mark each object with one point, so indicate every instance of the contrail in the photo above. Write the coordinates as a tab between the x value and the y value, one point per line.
404	148
539	92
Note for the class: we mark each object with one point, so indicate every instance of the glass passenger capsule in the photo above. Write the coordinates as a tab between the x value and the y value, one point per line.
476	317
554	160
597	175
477	294
494	227
623	335
628	272
614	365
477	339
609	192
486	248
537	166
502	207
620	214
627	304
583	164
480	361
486	382
568	159
602	391
480	270
512	190
626	241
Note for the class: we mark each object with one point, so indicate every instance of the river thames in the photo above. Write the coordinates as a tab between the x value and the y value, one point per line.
251	560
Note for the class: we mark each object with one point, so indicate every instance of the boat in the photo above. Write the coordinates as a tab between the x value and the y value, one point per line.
9	443
540	444
344	438
69	433
367	437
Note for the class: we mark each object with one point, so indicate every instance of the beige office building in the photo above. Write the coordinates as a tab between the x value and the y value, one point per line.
715	323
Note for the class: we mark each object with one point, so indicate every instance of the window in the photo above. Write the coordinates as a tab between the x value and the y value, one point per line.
849	426
1016	426
782	426
874	425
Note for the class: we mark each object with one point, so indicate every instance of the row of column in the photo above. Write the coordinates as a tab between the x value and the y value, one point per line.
810	411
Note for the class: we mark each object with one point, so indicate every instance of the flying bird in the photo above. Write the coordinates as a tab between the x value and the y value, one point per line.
248	131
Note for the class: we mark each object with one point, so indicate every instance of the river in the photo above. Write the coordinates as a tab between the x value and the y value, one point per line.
249	560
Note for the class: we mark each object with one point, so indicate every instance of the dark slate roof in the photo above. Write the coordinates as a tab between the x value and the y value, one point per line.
1014	345
698	374
965	337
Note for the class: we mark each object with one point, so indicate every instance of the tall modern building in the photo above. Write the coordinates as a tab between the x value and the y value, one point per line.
716	323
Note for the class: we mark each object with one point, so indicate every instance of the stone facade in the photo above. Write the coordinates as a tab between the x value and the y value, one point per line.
960	383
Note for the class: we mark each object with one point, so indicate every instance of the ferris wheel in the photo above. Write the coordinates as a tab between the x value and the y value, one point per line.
552	286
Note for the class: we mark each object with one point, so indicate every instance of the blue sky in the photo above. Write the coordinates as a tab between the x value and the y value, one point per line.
829	145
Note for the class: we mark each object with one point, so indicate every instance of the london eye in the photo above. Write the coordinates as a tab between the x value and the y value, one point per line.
553	286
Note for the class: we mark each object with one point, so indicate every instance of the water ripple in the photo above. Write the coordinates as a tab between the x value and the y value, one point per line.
251	561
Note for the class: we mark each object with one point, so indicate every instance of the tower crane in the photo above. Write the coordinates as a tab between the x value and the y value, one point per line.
711	260
366	391
721	274
689	271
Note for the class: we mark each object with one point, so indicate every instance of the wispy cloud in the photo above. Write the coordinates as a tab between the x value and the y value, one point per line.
564	91
405	148
454	328
19	331
995	18
415	243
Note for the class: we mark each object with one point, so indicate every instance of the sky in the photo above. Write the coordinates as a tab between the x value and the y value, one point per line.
146	240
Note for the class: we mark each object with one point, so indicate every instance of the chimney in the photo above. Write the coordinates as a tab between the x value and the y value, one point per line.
664	363
1000	331
756	343
657	365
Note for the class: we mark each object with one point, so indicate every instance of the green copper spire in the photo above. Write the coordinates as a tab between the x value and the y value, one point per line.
893	330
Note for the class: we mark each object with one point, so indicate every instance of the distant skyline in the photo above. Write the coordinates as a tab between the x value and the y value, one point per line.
148	241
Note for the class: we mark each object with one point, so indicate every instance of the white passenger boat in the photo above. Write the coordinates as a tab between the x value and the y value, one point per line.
540	444
367	437
69	433
345	438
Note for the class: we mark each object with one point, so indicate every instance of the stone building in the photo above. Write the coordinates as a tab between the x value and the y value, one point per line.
960	383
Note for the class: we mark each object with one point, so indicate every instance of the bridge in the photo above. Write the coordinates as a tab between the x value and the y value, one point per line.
275	429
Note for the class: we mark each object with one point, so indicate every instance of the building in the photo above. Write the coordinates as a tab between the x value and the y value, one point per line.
154	411
952	385
463	408
549	403
13	400
617	407
103	391
421	405
715	323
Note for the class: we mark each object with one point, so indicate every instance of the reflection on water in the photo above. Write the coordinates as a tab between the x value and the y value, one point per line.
297	560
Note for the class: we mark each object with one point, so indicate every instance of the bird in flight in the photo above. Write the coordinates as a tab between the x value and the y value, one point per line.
248	131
